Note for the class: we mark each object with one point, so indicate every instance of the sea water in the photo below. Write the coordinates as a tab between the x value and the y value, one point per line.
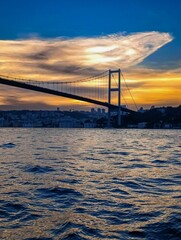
90	184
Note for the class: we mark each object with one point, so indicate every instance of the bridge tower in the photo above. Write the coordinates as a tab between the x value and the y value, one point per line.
114	89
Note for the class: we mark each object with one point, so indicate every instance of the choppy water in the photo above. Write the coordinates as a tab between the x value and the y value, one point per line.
90	184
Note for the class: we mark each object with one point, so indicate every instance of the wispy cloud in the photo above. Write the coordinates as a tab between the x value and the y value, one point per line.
65	57
72	58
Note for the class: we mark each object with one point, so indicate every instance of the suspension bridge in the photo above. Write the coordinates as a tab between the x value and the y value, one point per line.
98	89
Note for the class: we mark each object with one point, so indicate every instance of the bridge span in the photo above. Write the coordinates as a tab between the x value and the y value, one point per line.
23	85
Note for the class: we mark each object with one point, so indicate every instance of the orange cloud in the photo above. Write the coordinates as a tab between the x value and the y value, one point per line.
64	59
154	86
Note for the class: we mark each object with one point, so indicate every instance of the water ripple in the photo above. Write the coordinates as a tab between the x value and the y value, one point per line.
8	145
39	169
90	184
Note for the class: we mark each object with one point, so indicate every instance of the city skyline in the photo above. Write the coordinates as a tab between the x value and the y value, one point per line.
39	41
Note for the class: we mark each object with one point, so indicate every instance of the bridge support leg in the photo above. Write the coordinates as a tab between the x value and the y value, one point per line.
119	117
118	90
109	118
119	98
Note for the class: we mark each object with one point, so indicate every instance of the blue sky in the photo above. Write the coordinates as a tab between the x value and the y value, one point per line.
71	18
51	19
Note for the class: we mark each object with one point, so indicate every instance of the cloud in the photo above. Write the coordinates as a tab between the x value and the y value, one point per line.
12	102
74	58
66	57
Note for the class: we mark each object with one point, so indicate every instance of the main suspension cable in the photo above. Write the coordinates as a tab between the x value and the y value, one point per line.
129	91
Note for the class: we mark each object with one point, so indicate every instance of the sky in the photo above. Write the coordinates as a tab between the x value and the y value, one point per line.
72	39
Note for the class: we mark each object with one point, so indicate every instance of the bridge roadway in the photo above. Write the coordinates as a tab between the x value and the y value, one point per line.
58	93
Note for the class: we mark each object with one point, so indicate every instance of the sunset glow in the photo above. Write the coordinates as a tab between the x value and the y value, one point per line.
63	59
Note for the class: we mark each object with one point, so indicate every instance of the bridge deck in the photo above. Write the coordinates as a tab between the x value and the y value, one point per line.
58	93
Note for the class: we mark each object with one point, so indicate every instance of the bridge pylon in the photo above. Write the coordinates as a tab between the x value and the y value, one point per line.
114	89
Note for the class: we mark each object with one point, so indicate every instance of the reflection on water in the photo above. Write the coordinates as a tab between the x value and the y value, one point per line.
90	184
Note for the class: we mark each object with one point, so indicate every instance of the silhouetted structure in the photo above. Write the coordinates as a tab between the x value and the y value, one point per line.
97	93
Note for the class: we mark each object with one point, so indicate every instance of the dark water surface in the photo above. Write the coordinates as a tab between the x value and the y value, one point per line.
90	184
